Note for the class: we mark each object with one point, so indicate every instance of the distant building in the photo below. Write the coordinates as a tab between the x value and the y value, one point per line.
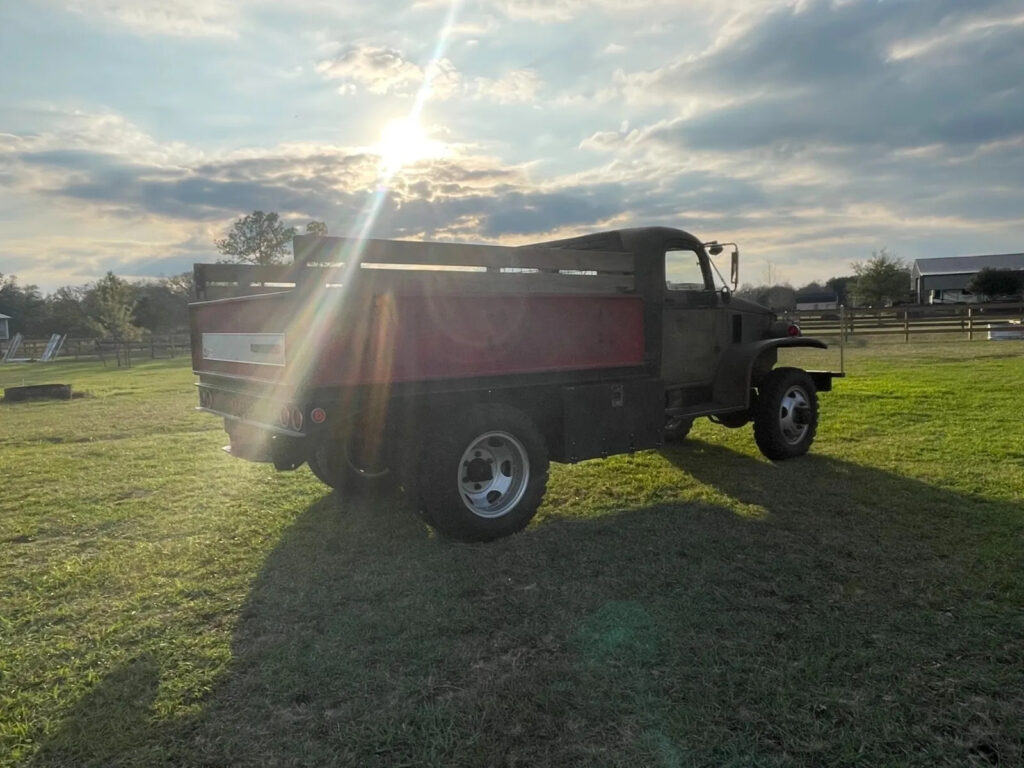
945	280
812	300
4	333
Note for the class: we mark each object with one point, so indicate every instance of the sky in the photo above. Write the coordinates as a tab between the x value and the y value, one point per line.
133	133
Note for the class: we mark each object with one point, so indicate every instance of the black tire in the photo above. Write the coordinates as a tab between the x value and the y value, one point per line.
329	462
786	414
485	476
677	428
318	471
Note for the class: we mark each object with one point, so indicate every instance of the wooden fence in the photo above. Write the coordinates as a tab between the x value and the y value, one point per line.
967	321
150	346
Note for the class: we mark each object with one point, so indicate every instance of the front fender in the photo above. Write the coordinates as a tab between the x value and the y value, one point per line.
733	379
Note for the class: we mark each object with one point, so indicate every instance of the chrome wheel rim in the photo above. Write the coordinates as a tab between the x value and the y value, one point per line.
794	415
493	473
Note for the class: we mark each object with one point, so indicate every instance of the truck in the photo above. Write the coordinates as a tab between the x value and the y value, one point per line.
458	372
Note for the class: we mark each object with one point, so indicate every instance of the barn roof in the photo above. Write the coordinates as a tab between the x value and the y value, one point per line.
963	265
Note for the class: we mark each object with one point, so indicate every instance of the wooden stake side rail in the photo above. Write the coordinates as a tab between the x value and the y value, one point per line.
440	268
336	250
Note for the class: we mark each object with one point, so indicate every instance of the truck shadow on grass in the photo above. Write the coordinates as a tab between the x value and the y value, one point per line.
859	619
108	722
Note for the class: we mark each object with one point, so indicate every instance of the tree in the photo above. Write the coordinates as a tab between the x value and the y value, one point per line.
883	279
259	238
159	307
993	283
778	297
317	228
23	304
110	303
66	312
812	287
840	286
183	285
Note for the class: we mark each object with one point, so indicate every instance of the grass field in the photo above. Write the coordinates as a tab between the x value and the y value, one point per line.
164	604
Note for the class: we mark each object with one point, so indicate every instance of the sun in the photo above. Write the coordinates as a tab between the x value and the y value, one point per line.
404	142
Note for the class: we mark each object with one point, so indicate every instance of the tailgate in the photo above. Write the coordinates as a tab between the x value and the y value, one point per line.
244	337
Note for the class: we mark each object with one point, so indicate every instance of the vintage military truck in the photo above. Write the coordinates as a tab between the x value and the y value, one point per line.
460	371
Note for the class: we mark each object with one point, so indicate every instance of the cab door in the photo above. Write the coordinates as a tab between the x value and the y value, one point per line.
694	323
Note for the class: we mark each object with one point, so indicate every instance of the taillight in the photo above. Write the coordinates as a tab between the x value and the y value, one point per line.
318	415
296	419
793	329
284	416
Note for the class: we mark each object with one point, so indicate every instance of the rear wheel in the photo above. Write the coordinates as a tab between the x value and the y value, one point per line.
786	415
332	463
486	476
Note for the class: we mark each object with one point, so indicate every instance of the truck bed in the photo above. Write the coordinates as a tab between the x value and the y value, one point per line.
473	311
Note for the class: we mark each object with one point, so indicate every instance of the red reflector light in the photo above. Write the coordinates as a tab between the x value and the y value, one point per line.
793	330
318	415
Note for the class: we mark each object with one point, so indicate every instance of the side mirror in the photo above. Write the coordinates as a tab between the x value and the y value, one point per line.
734	275
715	249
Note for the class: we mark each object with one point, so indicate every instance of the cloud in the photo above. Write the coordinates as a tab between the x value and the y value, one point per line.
851	123
810	131
824	73
180	18
775	201
519	86
557	11
387	71
378	70
461	194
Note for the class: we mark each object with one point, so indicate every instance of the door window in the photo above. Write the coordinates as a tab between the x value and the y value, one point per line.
683	271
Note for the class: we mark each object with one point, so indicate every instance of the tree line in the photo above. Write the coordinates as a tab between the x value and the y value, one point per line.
115	309
110	308
882	280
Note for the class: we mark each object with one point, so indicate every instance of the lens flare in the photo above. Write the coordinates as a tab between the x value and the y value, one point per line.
322	309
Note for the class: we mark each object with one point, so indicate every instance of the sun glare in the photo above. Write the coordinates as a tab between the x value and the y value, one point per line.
403	142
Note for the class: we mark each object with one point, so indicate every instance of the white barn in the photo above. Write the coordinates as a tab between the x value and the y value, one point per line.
945	280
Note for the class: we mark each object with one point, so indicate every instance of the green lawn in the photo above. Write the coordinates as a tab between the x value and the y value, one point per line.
162	603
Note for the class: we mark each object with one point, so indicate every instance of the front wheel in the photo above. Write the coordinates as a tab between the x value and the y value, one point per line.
786	414
486	476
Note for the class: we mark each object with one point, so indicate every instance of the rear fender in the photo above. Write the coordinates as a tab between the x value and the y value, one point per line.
736	369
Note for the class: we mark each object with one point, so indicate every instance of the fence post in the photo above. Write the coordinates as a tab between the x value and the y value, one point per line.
842	336
906	325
